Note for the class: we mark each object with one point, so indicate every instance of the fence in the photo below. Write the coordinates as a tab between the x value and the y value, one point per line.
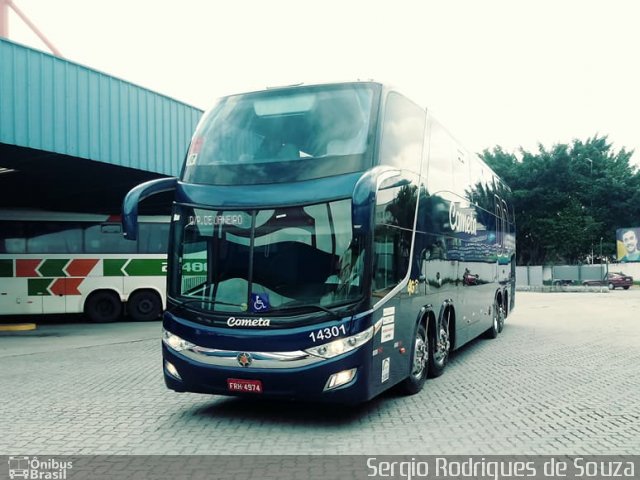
538	275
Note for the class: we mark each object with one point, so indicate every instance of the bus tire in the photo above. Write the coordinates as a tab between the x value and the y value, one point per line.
439	340
497	319
506	305
419	353
144	305
103	307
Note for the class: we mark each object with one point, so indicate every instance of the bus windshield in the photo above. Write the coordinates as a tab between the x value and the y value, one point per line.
268	260
283	135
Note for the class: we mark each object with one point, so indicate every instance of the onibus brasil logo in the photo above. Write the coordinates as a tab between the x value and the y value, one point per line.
33	468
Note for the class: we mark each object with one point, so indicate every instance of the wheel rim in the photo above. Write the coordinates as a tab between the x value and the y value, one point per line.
145	306
500	318
419	356
443	343
105	308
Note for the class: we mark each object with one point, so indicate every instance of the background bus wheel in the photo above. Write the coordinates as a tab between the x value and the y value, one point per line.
439	347
103	307
144	306
502	315
497	323
415	381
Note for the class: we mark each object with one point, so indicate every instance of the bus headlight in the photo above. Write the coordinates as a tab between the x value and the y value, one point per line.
172	370
341	378
174	342
342	345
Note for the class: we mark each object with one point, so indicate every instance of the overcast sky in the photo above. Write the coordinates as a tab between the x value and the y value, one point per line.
495	72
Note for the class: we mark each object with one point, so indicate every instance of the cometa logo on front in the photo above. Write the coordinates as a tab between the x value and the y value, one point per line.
248	322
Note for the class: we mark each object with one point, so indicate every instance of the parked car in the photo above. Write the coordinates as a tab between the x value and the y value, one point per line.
612	280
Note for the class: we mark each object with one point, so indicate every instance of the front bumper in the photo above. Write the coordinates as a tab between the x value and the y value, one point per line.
300	378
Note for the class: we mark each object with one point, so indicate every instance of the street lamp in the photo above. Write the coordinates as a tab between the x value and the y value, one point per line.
600	249
591	203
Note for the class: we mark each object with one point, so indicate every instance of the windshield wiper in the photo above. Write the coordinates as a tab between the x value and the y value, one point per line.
183	303
303	306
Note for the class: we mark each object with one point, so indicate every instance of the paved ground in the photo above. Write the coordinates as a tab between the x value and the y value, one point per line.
563	378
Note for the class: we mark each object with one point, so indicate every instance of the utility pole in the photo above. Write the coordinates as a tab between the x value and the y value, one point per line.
591	199
4	18
4	24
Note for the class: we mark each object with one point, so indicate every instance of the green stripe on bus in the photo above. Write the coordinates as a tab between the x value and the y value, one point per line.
6	268
146	266
39	286
113	267
136	267
53	267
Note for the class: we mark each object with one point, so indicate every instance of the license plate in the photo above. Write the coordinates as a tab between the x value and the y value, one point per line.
246	386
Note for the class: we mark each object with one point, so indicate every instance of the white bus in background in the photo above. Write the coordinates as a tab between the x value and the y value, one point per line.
55	262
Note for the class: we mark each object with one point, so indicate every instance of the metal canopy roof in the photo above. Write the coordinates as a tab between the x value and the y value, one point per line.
73	138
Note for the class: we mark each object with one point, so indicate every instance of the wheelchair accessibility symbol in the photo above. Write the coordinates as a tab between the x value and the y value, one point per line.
260	302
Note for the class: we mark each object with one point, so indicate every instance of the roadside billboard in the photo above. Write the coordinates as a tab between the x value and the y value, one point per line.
627	244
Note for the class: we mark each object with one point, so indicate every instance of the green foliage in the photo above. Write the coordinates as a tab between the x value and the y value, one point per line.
570	199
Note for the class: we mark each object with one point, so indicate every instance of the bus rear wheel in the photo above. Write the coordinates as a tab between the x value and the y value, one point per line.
144	306
497	320
103	307
439	346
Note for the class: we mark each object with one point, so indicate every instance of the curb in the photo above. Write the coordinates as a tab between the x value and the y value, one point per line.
17	327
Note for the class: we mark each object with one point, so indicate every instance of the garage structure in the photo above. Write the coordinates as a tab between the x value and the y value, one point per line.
76	139
73	142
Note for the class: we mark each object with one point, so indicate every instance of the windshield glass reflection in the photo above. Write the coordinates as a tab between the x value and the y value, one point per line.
265	260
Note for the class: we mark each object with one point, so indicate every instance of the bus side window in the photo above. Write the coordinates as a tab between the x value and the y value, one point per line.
395	211
54	238
154	238
12	237
107	238
402	134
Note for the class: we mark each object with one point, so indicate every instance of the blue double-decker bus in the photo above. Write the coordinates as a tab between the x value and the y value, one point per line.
328	242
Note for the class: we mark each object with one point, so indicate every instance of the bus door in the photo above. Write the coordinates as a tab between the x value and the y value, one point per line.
394	216
53	290
54	303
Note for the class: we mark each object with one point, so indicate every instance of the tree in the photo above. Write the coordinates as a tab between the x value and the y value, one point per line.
568	198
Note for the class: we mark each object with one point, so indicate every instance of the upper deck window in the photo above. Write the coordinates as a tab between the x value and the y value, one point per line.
282	135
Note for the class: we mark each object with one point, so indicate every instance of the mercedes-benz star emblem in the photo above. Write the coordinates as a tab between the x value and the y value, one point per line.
244	359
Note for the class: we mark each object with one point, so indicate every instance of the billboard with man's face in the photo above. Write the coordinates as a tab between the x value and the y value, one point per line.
627	244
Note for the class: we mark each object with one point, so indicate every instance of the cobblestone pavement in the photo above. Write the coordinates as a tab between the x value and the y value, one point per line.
562	378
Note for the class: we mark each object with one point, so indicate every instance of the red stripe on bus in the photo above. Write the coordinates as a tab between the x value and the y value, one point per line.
27	268
81	267
66	286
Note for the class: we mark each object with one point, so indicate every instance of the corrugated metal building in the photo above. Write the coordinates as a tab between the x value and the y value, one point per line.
76	132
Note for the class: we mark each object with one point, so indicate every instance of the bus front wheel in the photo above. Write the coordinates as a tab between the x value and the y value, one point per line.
103	307
144	306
